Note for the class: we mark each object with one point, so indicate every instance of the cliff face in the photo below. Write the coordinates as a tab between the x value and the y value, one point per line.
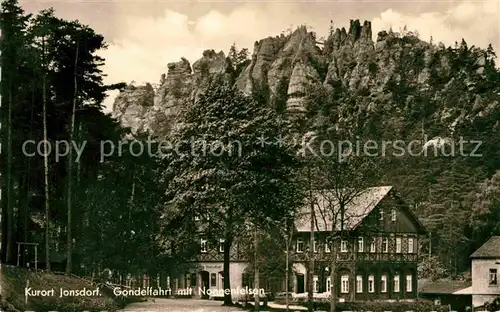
389	76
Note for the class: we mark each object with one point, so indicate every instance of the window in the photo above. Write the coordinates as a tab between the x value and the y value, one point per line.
381	214
383	283
385	245
213	279
197	218
328	284
359	284
408	283
396	283
343	246
316	284
371	283
360	244
221	245
300	245
344	284
398	244
187	280
315	246
410	245
327	247
373	247
393	215
203	245
493	277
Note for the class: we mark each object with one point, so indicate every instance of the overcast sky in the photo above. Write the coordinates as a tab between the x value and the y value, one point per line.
143	36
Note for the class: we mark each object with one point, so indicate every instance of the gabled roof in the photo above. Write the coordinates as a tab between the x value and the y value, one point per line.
443	286
355	211
489	250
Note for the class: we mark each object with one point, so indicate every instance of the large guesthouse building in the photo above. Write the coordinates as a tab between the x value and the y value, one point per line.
376	250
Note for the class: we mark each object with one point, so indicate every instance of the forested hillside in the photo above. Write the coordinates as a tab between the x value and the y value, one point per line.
399	87
88	213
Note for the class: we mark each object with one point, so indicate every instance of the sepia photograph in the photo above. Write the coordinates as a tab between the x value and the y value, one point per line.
258	155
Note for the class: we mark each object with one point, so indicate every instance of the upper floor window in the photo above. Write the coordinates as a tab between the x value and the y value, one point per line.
359	284
315	248
385	245
398	244
493	281
373	247
371	283
393	214
344	280
221	245
203	245
396	283
410	245
383	283
327	246
381	214
300	245
409	283
360	244
343	246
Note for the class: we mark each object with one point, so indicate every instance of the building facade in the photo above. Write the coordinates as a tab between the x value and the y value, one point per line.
376	254
376	257
485	272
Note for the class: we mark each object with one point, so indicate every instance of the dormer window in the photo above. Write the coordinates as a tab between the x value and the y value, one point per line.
300	245
393	215
381	214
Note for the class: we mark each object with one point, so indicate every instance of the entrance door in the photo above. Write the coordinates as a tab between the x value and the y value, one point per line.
300	283
205	282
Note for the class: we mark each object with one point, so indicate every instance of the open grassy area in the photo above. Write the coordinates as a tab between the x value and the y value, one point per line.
15	280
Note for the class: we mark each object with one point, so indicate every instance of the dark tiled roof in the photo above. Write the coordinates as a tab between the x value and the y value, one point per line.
490	249
441	286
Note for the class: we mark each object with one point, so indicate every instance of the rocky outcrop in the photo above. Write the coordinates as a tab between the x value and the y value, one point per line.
283	67
155	112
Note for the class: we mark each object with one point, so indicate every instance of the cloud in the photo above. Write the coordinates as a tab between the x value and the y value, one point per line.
476	22
145	45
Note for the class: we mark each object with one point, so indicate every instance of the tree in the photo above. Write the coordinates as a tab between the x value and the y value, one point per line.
226	166
343	175
238	59
13	23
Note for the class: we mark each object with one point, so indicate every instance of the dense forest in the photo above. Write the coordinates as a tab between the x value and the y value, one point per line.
85	214
132	213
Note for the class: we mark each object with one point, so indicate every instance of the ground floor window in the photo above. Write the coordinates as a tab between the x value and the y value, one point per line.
344	280
408	283
359	284
213	280
383	283
371	283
